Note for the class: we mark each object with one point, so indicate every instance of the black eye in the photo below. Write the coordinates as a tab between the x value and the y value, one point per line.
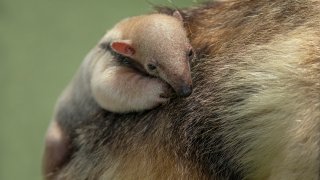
151	67
125	61
190	53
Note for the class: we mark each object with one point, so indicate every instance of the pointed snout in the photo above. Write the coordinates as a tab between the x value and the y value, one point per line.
183	86
178	76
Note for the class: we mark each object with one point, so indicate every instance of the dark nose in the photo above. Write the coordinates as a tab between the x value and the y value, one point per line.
185	91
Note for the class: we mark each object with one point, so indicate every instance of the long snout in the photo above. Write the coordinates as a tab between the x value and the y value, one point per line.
182	85
178	76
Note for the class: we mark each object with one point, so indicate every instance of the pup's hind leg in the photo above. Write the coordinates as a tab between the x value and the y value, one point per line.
57	150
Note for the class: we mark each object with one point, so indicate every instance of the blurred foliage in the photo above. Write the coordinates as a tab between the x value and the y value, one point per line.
42	43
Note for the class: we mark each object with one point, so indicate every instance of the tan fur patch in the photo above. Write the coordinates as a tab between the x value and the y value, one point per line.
146	163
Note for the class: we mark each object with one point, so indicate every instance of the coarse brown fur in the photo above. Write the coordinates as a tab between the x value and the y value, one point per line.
254	112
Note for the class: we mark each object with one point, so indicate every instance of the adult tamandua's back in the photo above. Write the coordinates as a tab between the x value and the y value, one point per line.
254	112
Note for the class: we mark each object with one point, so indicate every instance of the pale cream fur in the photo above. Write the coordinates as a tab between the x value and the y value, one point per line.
159	39
285	144
54	133
122	89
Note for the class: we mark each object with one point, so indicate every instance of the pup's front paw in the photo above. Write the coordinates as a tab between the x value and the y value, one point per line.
161	91
167	91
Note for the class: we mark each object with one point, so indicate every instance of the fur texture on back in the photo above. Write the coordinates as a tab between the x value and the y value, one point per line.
254	112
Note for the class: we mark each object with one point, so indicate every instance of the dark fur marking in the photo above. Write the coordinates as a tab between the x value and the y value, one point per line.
123	60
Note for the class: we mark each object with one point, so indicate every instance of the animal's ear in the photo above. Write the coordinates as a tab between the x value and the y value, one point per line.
177	15
123	47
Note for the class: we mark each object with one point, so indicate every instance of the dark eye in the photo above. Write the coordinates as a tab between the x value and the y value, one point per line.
190	53
151	67
125	61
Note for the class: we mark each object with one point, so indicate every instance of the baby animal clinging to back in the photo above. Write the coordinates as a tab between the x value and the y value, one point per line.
133	68
136	61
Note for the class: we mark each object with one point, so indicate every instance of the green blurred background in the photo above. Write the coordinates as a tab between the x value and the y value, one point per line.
42	43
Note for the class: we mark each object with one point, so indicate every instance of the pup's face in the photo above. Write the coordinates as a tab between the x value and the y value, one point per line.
159	44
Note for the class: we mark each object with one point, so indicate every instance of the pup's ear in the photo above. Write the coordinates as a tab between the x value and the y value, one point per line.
123	47
177	15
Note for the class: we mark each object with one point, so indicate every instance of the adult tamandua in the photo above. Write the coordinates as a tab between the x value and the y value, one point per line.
254	112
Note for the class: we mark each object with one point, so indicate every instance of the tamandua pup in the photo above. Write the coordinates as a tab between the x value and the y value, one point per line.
138	59
134	67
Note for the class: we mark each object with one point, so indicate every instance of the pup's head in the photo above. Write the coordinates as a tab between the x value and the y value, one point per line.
159	45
